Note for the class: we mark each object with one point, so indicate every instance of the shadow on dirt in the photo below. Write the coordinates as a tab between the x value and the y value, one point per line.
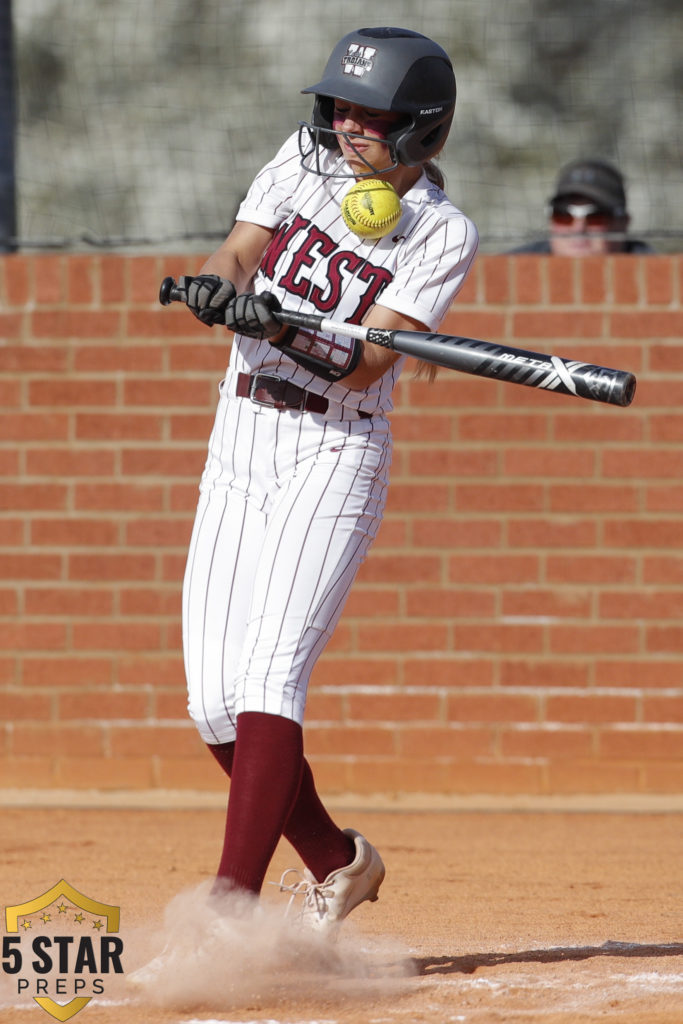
471	962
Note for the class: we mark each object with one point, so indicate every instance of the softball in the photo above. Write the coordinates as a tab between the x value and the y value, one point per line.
371	208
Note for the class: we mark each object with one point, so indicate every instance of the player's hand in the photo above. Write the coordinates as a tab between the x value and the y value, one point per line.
207	297
253	315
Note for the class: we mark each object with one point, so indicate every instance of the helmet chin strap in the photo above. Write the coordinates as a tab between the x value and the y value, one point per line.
310	158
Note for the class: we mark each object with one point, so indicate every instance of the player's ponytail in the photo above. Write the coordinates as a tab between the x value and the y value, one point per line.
426	370
434	174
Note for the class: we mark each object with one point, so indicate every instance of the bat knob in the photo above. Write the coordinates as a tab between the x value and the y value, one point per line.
168	292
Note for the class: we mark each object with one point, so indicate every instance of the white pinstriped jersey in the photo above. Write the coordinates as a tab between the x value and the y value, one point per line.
315	264
291	502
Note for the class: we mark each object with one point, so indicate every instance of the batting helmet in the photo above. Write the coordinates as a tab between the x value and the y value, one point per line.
389	69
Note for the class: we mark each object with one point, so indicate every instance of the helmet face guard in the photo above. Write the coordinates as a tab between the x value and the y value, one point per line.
385	69
314	140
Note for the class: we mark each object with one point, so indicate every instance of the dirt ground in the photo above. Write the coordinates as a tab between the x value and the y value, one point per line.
484	917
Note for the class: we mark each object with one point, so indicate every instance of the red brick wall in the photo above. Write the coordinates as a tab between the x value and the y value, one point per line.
518	627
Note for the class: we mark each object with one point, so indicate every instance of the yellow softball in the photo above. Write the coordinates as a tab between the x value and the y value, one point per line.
371	208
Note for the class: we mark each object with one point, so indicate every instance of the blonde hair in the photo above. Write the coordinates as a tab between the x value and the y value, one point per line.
427	370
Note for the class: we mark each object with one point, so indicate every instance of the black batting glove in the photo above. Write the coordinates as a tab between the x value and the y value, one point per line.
254	315
207	297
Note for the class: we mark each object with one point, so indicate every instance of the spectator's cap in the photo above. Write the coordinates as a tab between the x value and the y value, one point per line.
596	180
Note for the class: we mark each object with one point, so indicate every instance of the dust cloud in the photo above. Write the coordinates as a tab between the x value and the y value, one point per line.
241	952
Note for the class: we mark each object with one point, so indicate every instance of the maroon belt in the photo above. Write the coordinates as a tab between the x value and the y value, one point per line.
267	389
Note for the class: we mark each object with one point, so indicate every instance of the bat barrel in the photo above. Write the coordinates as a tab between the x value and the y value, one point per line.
596	383
627	391
519	366
619	387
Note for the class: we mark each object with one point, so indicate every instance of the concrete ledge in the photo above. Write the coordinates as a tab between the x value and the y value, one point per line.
183	799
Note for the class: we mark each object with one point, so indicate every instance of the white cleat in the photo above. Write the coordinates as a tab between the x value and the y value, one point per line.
326	904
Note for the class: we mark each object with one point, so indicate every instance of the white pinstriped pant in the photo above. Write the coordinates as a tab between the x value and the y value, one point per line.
289	505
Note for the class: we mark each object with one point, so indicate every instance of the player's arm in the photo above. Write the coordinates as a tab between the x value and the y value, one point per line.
239	256
374	360
235	262
228	271
336	357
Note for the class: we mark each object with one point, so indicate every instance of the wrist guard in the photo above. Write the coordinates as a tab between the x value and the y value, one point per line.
329	356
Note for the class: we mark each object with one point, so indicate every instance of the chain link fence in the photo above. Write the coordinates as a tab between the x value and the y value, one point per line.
142	122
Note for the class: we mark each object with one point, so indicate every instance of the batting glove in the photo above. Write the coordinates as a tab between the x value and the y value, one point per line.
253	315
207	297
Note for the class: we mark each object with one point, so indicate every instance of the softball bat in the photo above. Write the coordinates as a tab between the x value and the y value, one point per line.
470	355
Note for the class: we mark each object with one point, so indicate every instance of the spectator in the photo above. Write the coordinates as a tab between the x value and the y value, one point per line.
587	215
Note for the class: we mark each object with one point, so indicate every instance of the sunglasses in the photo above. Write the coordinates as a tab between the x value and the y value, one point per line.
592	216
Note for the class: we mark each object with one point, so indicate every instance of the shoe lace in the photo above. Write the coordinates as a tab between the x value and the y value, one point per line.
315	894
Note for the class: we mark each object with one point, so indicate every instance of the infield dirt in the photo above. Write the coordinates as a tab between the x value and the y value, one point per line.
484	917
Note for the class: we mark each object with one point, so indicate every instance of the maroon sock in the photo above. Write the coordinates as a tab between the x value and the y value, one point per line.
320	843
224	754
266	773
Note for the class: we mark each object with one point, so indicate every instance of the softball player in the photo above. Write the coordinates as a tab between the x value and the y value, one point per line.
296	477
